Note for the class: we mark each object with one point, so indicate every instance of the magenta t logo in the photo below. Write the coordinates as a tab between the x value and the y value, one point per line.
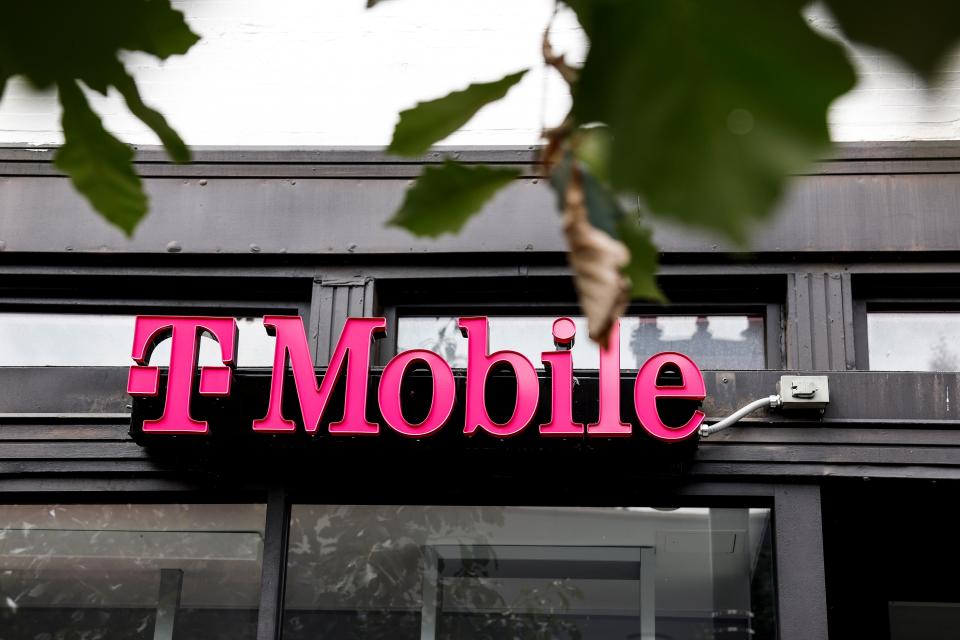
184	333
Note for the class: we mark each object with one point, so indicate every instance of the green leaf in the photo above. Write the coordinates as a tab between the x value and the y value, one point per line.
82	42
99	165
153	26
919	32
171	140
593	150
605	212
642	269
429	122
710	105
445	197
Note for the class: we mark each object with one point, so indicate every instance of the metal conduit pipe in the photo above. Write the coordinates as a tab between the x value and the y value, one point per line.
769	402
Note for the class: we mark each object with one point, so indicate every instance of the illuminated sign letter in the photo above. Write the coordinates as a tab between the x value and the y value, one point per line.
646	392
609	422
184	334
560	364
441	402
479	365
292	347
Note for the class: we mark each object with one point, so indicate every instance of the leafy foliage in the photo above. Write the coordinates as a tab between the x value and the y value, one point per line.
429	122
446	196
706	106
98	164
711	105
605	213
81	43
920	32
642	269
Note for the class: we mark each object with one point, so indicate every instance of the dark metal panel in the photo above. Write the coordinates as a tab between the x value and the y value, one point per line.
798	330
798	545
847	321
871	398
320	321
820	312
818	320
69	432
265	216
771	471
26	390
71	450
96	485
830	454
287	204
863	155
839	434
834	323
193	268
101	465
335	301
274	571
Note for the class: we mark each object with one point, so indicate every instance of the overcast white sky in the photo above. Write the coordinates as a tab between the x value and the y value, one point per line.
303	72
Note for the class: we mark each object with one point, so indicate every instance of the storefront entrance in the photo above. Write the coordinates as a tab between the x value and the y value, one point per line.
892	560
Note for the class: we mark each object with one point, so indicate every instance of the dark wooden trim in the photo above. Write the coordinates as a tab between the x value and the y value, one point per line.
274	568
798	548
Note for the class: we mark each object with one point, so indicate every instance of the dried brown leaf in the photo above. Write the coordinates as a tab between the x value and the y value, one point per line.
597	260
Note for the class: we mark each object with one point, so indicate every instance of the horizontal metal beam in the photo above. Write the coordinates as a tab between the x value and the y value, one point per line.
859	399
330	202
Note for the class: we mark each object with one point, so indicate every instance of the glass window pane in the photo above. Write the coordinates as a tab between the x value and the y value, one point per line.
714	341
109	571
77	339
416	572
909	341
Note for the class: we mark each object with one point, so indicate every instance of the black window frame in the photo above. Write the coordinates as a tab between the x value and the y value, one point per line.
904	293
554	297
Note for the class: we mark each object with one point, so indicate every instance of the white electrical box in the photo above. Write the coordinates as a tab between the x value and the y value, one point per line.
804	392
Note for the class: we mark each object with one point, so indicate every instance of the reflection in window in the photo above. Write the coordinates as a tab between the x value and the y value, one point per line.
75	339
714	342
130	571
914	341
422	572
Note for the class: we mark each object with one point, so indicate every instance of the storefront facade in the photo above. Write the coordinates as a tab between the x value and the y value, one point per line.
788	525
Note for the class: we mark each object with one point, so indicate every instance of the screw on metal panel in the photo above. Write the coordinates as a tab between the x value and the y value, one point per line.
255	248
529	247
174	247
351	247
534	181
724	380
203	182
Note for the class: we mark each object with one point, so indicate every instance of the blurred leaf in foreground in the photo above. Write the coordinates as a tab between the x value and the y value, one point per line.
80	45
710	105
445	197
430	122
612	256
98	164
919	32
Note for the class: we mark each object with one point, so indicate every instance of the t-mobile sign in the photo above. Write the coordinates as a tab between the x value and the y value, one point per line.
350	398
